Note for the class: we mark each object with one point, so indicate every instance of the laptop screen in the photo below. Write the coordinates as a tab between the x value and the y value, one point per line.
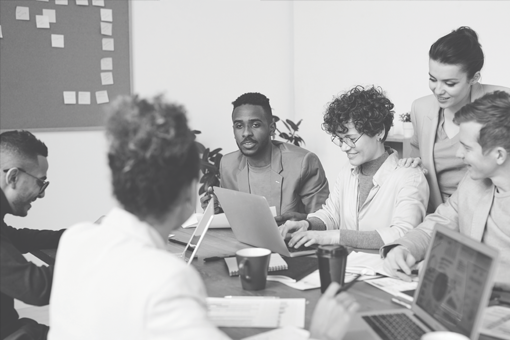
453	283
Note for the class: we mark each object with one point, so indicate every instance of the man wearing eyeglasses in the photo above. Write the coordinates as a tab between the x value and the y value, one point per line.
24	164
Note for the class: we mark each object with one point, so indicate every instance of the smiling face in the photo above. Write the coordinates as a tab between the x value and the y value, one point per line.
252	130
450	85
480	165
367	148
26	189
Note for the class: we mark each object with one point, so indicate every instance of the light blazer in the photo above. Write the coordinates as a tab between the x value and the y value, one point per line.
298	180
425	117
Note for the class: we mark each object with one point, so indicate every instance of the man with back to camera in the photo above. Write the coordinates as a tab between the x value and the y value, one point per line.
479	206
291	178
24	168
131	286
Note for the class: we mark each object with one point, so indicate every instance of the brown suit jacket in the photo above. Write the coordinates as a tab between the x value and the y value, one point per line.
298	180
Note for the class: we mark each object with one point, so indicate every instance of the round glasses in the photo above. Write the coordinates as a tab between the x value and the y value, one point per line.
338	141
43	184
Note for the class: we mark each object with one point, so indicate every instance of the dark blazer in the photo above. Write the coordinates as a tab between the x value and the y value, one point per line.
298	180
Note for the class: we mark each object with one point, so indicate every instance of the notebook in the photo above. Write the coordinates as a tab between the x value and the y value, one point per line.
252	222
452	293
275	263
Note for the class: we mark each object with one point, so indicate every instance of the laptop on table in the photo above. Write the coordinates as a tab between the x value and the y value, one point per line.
454	288
253	223
198	235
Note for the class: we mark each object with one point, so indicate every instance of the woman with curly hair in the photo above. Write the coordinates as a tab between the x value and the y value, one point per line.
455	61
374	202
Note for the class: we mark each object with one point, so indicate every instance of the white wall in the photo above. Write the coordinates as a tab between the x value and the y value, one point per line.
340	44
203	54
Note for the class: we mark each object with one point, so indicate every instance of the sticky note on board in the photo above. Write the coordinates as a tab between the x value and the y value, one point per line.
50	13
22	13
44	0
69	97
106	64
106	78
106	14
84	98
61	2
1	34
102	97
57	40
108	44
42	21
106	28
99	3
82	2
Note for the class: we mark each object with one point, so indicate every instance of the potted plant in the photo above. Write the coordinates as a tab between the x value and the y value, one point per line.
292	136
405	118
209	165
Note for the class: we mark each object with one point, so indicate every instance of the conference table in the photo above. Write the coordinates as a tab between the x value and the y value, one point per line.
221	243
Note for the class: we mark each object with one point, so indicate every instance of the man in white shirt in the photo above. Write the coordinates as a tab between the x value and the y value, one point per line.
479	206
116	280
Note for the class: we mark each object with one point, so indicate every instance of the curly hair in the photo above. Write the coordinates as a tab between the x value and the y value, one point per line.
492	111
22	143
368	109
254	98
460	47
152	154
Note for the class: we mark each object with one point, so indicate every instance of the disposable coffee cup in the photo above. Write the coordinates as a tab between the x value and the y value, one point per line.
332	264
253	264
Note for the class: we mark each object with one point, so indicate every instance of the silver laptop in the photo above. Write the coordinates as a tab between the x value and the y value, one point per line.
253	223
198	235
454	288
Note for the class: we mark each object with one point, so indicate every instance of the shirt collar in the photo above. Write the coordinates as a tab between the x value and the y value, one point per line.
390	164
126	222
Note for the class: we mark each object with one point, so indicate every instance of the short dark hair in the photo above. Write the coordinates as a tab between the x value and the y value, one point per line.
22	143
254	98
492	111
368	109
460	47
152	154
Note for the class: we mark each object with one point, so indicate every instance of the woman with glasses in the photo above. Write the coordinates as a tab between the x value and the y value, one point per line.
455	61
375	201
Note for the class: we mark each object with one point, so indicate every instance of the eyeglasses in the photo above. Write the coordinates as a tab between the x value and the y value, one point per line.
338	141
41	183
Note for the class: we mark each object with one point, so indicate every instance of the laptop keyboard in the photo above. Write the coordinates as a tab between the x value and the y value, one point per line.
394	326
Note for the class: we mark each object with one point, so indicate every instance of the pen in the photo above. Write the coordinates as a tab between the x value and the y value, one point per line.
216	258
348	285
399	302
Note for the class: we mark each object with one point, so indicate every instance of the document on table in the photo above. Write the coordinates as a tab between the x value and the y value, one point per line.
259	312
365	263
395	287
285	333
496	322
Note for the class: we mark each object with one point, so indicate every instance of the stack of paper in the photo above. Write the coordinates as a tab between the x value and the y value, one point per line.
258	312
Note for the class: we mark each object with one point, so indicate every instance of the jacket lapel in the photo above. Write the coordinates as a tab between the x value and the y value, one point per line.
243	183
481	213
276	178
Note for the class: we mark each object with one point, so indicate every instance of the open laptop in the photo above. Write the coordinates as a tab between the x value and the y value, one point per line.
198	235
454	288
252	222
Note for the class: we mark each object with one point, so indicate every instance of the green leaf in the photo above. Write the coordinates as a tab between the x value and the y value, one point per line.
299	123
276	119
292	124
286	125
285	136
200	147
214	152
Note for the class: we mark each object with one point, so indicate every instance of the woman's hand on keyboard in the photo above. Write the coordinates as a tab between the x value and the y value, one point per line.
307	238
290	227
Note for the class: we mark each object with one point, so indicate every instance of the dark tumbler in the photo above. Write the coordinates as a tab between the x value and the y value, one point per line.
332	264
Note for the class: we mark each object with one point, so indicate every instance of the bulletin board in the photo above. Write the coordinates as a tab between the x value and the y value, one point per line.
46	86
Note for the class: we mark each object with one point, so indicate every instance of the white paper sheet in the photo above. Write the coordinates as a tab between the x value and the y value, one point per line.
84	98
22	13
69	97
496	322
106	28
62	2
106	78
102	97
99	3
42	21
284	333
57	40
51	14
106	64
108	44
255	311
106	14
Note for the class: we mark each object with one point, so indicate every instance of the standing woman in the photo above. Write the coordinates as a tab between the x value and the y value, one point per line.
454	71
